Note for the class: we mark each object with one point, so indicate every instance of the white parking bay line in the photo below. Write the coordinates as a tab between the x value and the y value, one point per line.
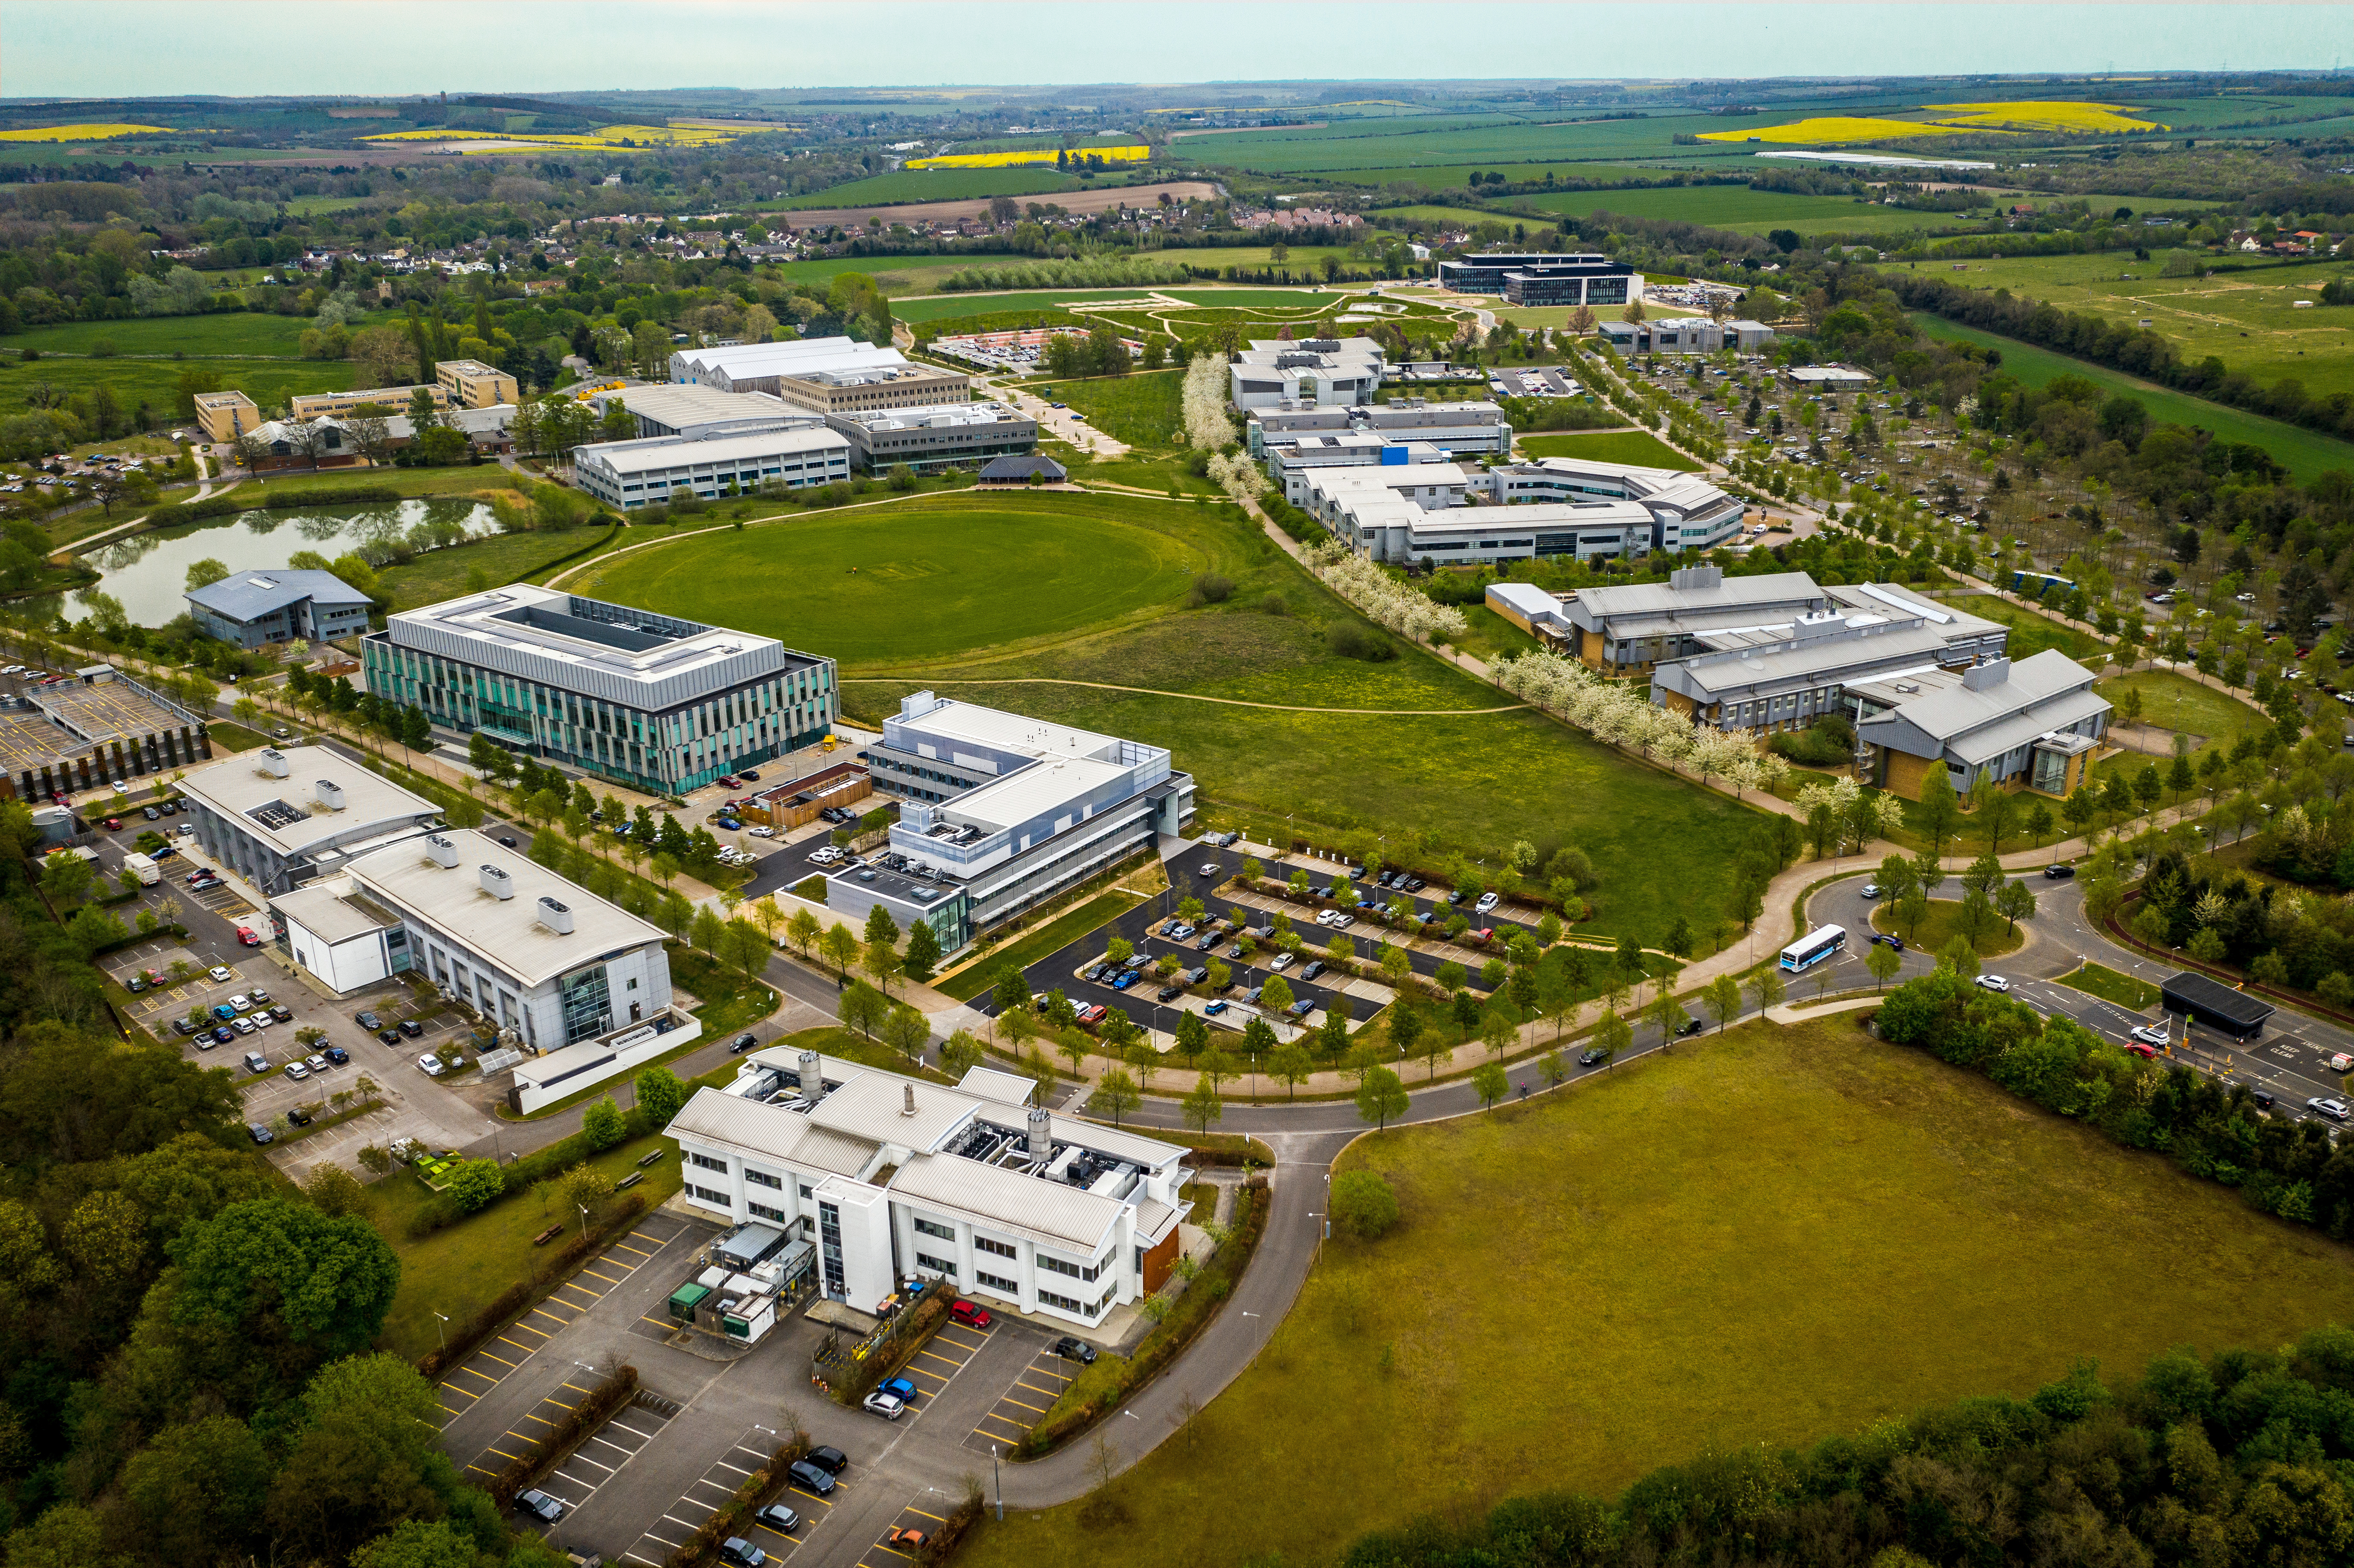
632	1430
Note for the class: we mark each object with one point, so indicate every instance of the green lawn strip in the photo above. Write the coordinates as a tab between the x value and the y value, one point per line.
850	1046
2175	701
1488	637
461	1268
1609	446
224	333
227	736
2110	986
728	1003
1888	1190
156	382
500	559
966	983
1942	924
1159	475
2031	631
2305	453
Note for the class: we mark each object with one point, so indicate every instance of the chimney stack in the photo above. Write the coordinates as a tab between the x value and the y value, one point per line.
1041	1147
908	1106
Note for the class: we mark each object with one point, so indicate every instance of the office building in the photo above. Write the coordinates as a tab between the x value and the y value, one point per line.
1323	370
1685	334
671	409
2036	722
647	700
1292	464
104	729
1830	377
1628	630
1784	675
552	964
282	816
722	457
1455	428
1688	512
1544	277
893	1180
1000	812
340	405
253	609
870	389
225	415
947	435
471	384
767	366
1530	608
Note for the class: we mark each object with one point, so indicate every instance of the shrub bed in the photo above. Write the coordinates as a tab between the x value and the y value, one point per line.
857	1379
1112	1380
527	1172
734	1516
575	1429
516	1299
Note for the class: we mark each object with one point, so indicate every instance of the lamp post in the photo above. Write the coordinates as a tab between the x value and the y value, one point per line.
444	1330
584	1220
998	1479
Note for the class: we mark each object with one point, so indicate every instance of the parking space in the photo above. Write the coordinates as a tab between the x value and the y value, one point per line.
710	1491
905	1536
1024	1404
488	1367
604	1451
944	1355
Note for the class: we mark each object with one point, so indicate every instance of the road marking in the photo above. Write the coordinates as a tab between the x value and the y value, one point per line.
942	1360
726	1466
575	1388
544	1421
601	1437
527	1349
675	1520
484	1375
594	1274
584	1459
933	1517
620	1248
1041	1409
502	1453
631	1431
1002	1420
560	1322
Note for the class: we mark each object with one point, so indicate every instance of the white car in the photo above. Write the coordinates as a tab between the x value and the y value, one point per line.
1993	982
2148	1033
260	1019
218	975
431	1064
1326	916
2341	1062
240	1003
762	832
1280	961
1486	901
296	1071
1871	890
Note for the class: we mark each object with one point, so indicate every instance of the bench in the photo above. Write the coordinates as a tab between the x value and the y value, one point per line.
649	1159
549	1235
631	1180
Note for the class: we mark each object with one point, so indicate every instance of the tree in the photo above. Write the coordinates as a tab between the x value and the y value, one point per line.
1202	1107
325	1280
863	1008
839	945
2014	901
961	1053
603	1124
906	1031
1612	1034
1883	963
1381	1097
1666	1015
1765	986
660	1095
804	931
1114	1095
206	573
1489	1082
1290	1065
1937	814
1960	957
1497	1032
1363	1205
923	955
1722	996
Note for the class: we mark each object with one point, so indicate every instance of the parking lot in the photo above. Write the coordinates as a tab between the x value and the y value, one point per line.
711	1491
1024	1402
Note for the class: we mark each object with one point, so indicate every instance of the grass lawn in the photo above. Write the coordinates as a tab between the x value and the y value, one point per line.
2030	632
227	736
1424	216
1609	446
1141	410
2110	986
1488	637
2303	453
1942	924
852	1046
2174	701
1747	1242
502	558
726	1003
230	332
940	577
1144	473
1064	928
1735	208
155	382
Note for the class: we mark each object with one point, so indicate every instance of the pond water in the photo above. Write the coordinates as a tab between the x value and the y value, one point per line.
148	573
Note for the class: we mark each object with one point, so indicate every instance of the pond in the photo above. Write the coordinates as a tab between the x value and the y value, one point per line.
148	573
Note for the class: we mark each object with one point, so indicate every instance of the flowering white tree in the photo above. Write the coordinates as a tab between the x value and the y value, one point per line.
1388	602
1205	402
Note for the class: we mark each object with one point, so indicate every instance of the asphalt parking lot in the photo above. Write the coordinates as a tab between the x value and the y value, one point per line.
1028	1396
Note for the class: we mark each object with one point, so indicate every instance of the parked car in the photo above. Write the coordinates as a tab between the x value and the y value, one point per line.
316	1063
411	1028
1303	1006
297	1117
905	1539
1486	901
1074	1349
809	1477
1209	940
1123	979
255	1062
741	1553
224	1012
1280	961
259	1133
898	1388
431	1064
296	1071
336	1054
2150	1033
778	1516
246	937
242	1026
368	1021
222	1035
887	1406
1180	931
730	824
1593	1056
1215	1008
2059	873
972	1314
219	975
1882	938
833	1461
1095	1014
1871	890
1169	993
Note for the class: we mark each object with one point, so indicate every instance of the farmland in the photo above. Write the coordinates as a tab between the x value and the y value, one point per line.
932	184
1888	1191
1734	208
2303	453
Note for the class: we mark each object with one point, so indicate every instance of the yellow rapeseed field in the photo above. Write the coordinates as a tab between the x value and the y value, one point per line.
83	132
1136	154
2069	117
1834	128
604	138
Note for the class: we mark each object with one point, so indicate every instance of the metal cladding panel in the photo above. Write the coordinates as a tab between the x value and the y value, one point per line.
586	678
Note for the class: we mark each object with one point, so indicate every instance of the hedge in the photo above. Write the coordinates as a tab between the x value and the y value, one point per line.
1194	1310
568	1433
512	1302
914	1327
531	1169
734	1516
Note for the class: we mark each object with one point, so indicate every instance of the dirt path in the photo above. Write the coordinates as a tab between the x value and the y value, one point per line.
1191	697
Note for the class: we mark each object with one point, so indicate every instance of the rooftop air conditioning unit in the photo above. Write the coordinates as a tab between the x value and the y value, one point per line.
273	762
444	852
331	794
556	916
497	882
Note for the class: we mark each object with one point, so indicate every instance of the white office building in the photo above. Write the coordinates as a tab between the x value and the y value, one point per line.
1323	370
648	700
1000	812
550	962
718	458
280	817
759	366
1452	427
893	1180
1688	512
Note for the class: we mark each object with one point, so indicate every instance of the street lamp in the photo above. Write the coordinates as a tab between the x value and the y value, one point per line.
584	1220
998	1479
445	1329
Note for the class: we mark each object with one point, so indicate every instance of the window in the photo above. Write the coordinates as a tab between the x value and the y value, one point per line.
983	1276
1003	1249
708	1163
766	1213
933	1228
706	1195
805	1191
764	1179
1067	1303
924	1260
1072	1269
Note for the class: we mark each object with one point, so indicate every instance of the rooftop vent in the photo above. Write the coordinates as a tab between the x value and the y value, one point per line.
1986	676
1041	1134
907	1103
812	1079
331	794
444	852
556	916
273	762
496	882
1696	580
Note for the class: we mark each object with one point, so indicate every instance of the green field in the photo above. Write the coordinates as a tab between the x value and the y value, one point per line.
228	334
1609	446
502	558
1450	180
1398	148
1139	411
2031	632
2245	318
155	382
2302	453
1734	208
1424	216
2174	701
902	186
939	577
2095	979
1769	1238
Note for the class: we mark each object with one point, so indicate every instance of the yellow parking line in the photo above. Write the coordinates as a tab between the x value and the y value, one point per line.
502	1453
517	1436
594	1274
1018	1427
575	1388
543	1420
619	1246
529	1329
933	1517
501	1360
560	1322
484	1375
942	1360
892	1550
527	1349
1041	1409
657	1322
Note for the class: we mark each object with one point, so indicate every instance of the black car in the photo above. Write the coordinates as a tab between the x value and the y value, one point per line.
1074	1349
809	1477
259	1133
368	1021
1169	993
778	1516
297	1117
742	1044
389	1037
1593	1056
1315	967
1209	940
2059	873
508	840
1691	1025
182	1026
336	1053
411	1028
281	1014
1096	972
1458	896
833	1461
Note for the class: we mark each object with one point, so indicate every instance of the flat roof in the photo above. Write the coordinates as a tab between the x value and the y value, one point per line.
683	403
507	931
932	416
245	596
688	449
286	813
2213	995
322	909
108	710
1728	593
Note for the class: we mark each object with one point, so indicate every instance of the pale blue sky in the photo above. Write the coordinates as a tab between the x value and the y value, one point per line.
138	47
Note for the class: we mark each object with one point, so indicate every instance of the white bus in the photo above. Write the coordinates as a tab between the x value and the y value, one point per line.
1813	948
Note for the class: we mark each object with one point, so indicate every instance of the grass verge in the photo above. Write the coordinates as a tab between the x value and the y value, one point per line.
2110	986
1942	924
1027	949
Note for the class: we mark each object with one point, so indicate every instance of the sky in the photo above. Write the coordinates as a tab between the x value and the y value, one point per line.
240	48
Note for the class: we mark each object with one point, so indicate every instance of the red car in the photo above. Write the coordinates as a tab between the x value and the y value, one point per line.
1093	1014
1484	935
113	823
245	935
972	1314
2147	1053
729	780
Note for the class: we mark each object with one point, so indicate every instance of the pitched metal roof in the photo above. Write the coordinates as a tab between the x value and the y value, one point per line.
249	595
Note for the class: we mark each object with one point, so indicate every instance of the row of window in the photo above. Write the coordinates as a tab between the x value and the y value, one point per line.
997	1282
705	1161
706	1195
938	1266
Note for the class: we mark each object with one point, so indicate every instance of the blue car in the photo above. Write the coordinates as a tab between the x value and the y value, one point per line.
1127	978
898	1388
224	1012
730	824
1303	1007
1215	1008
223	1035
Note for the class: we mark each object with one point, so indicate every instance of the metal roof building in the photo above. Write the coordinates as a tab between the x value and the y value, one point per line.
282	816
2037	720
2215	1004
711	459
252	609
